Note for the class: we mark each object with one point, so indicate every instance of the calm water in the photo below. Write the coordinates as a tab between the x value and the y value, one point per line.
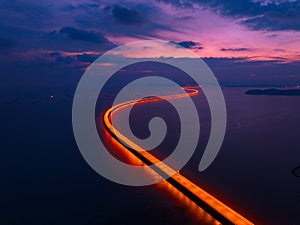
46	181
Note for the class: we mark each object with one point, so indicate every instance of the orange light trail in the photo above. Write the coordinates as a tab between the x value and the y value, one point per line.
213	206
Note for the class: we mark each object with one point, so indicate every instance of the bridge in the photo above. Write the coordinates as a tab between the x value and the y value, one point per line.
221	212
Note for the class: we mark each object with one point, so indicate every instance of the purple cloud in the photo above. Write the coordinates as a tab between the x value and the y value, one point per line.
234	49
189	44
82	35
127	16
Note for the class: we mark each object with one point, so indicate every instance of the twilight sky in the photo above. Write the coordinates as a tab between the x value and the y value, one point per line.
245	42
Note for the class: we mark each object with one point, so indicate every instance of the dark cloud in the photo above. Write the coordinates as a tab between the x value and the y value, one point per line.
189	44
127	16
256	15
65	60
284	16
82	35
86	58
273	16
54	54
79	41
29	14
234	49
139	20
76	58
60	58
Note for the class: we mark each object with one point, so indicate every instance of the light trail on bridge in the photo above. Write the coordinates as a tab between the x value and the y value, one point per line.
204	200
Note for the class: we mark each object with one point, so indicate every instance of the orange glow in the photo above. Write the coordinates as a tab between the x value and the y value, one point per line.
106	64
192	209
122	151
184	183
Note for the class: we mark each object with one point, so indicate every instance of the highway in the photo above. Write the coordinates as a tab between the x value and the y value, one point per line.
217	209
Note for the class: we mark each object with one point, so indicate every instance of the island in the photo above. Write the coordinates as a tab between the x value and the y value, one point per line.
296	171
274	91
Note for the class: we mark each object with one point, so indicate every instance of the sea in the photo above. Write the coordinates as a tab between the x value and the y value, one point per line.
46	181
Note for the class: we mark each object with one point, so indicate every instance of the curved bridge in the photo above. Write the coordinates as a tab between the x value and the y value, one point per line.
217	209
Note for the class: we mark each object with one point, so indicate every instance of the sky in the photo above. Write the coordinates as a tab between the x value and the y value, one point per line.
248	42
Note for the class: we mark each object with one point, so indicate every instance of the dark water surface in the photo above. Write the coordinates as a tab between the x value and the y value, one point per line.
45	180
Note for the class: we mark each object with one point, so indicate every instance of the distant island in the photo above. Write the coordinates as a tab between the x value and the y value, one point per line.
273	91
